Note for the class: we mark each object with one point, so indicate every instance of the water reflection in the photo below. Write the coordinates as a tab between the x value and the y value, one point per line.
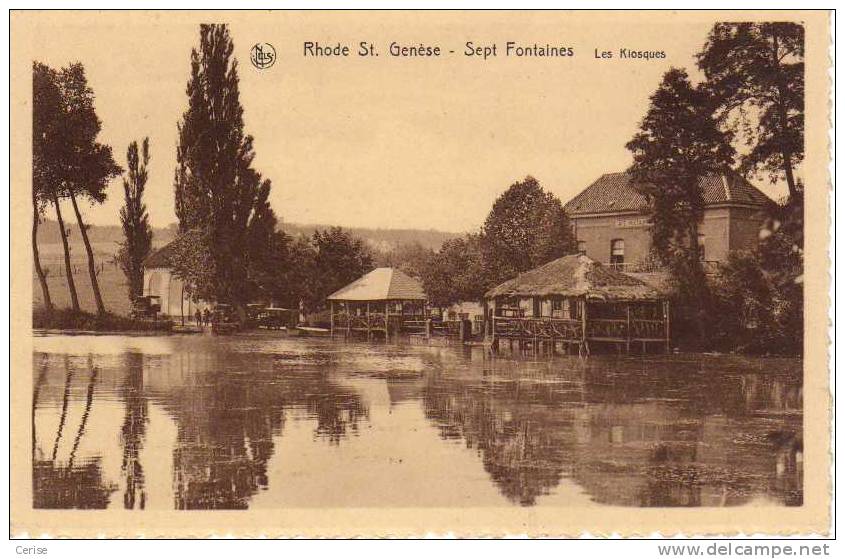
63	484
634	433
212	423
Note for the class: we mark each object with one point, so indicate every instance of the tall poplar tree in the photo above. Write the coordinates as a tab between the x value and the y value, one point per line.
217	192
137	233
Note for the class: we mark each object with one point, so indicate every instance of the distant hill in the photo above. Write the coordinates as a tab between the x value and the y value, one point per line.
380	239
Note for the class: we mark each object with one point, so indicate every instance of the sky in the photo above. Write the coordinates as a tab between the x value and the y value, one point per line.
381	141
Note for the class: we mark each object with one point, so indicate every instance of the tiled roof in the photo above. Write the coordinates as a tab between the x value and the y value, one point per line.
616	192
575	275
381	284
162	258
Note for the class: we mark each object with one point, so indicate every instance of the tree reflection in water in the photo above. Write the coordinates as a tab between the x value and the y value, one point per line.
661	431
60	484
133	430
628	432
226	420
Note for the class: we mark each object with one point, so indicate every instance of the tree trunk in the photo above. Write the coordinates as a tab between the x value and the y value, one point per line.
74	299
92	268
698	280
785	152
42	277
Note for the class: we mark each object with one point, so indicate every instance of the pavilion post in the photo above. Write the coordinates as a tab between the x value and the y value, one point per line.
628	327
666	324
369	324
348	319
331	317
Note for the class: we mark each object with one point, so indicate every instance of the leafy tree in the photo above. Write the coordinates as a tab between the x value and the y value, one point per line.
412	258
89	164
137	233
339	259
217	191
49	155
46	111
678	143
758	296
526	227
756	70
68	162
456	272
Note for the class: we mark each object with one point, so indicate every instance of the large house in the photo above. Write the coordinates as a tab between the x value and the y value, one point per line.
612	226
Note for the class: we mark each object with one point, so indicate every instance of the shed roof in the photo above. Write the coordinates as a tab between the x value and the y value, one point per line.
163	257
576	275
381	284
617	192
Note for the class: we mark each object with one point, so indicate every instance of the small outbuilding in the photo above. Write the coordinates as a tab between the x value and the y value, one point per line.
383	301
576	300
162	283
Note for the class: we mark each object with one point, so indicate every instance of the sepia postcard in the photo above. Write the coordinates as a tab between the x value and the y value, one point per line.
420	273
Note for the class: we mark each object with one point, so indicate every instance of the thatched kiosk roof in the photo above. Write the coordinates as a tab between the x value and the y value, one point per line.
575	275
382	284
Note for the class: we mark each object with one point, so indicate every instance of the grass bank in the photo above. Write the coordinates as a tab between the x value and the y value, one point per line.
68	319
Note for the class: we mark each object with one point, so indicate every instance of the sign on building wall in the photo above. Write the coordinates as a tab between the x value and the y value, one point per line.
628	223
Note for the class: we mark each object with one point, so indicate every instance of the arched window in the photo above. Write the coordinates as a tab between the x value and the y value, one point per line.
701	244
617	253
154	284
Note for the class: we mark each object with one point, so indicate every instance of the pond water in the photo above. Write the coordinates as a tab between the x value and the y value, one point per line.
260	421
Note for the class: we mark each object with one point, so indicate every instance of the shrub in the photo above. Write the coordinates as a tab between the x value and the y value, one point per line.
68	319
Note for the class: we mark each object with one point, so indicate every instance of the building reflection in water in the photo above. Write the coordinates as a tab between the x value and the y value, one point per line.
629	433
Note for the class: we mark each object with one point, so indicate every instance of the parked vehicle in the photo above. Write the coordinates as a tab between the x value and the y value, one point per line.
145	307
277	318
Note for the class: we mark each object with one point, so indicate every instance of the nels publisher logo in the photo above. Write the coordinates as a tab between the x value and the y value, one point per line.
262	55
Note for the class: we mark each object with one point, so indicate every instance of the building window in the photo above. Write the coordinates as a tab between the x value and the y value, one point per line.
701	244
582	247
617	253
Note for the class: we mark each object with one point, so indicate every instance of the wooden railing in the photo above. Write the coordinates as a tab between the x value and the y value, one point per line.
571	329
371	321
542	327
378	321
446	328
649	267
622	329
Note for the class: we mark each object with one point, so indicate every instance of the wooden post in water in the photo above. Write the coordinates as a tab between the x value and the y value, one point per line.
666	325
369	324
582	304
331	318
